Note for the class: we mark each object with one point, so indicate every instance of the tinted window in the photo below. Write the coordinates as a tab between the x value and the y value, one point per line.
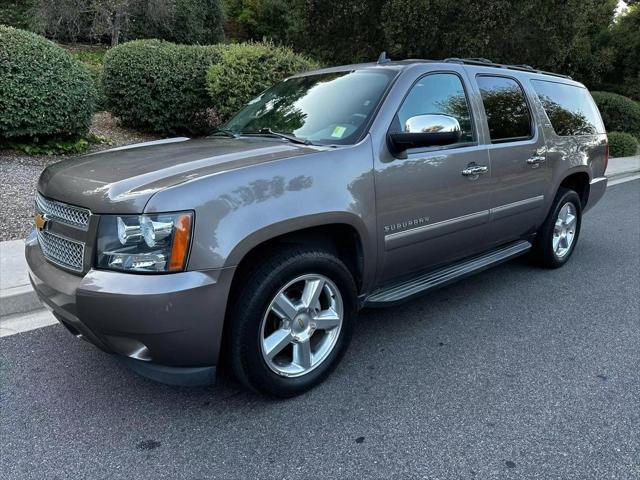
570	109
506	108
325	108
440	93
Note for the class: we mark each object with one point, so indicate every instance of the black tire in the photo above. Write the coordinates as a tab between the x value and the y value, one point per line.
543	252
255	291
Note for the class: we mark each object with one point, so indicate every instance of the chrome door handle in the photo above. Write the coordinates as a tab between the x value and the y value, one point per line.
475	170
536	160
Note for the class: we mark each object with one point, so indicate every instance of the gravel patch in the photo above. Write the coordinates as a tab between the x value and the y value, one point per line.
19	174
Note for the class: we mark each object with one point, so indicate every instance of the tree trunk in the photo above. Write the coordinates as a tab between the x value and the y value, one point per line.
116	22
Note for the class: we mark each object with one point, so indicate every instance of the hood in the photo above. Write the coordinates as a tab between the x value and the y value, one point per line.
122	180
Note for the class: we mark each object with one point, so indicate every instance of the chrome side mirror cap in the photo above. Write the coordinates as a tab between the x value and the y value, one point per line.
426	131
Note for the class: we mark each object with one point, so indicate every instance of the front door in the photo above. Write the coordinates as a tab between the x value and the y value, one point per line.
517	151
433	205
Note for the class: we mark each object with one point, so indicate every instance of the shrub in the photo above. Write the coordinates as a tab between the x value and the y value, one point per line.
59	146
96	76
44	91
247	69
620	114
159	86
622	144
93	58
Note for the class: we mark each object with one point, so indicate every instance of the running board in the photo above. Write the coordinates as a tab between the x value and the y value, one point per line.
445	275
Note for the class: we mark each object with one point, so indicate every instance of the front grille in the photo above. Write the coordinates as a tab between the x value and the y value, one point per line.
62	251
71	215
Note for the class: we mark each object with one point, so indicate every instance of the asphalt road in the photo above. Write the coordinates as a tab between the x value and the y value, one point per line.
515	373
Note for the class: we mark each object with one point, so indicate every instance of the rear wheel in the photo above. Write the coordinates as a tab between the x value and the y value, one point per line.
558	235
291	321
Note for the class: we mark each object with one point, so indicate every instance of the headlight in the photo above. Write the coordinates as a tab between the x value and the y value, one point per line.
144	243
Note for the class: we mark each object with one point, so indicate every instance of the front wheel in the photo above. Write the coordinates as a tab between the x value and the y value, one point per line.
291	321
558	235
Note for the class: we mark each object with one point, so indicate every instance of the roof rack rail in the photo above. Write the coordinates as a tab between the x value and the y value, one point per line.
488	63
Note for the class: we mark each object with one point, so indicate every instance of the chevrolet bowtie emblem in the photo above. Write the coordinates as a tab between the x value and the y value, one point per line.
40	221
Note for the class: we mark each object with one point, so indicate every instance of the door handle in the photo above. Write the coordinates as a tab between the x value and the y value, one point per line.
473	170
536	160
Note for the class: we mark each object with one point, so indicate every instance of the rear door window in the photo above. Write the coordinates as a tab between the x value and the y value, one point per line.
506	107
570	109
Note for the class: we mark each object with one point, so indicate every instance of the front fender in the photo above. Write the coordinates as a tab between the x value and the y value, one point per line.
238	209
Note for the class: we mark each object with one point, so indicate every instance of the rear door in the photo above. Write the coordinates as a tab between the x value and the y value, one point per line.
516	146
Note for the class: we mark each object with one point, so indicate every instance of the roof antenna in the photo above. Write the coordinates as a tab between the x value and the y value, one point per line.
383	58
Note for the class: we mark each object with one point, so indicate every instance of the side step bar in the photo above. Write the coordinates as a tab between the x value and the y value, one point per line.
445	275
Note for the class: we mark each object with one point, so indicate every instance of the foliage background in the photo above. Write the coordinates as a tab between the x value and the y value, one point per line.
162	85
581	38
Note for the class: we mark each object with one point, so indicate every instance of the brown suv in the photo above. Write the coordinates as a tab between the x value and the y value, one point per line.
354	186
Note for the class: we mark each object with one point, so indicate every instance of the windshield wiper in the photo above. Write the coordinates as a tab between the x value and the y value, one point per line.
225	132
291	138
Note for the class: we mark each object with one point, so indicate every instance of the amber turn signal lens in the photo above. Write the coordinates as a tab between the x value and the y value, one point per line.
180	246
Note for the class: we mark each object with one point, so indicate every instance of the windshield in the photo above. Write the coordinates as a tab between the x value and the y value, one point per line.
329	108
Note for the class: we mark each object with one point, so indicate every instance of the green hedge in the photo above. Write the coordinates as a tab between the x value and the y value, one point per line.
160	86
622	144
93	58
620	114
247	69
96	76
44	91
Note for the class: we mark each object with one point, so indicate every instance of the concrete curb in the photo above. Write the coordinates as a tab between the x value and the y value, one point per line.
18	300
17	295
623	167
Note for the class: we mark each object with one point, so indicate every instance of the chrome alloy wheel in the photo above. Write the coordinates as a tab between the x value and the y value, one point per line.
564	231
301	325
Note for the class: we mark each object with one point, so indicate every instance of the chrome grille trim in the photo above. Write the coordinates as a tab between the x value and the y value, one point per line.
62	251
71	215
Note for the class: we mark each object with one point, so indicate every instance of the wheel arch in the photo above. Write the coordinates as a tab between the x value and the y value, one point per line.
577	180
343	233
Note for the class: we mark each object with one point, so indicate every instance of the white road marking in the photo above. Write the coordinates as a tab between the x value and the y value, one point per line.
24	322
618	181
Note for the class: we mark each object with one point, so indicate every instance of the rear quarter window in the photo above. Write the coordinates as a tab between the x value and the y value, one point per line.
570	109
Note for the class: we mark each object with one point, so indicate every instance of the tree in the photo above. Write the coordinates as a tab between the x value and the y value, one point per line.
343	31
549	34
110	17
624	41
183	21
180	21
16	13
261	19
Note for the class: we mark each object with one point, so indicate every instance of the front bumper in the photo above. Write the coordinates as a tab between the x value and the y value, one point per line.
172	320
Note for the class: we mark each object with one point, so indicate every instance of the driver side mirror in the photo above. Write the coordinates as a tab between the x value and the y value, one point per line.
426	131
